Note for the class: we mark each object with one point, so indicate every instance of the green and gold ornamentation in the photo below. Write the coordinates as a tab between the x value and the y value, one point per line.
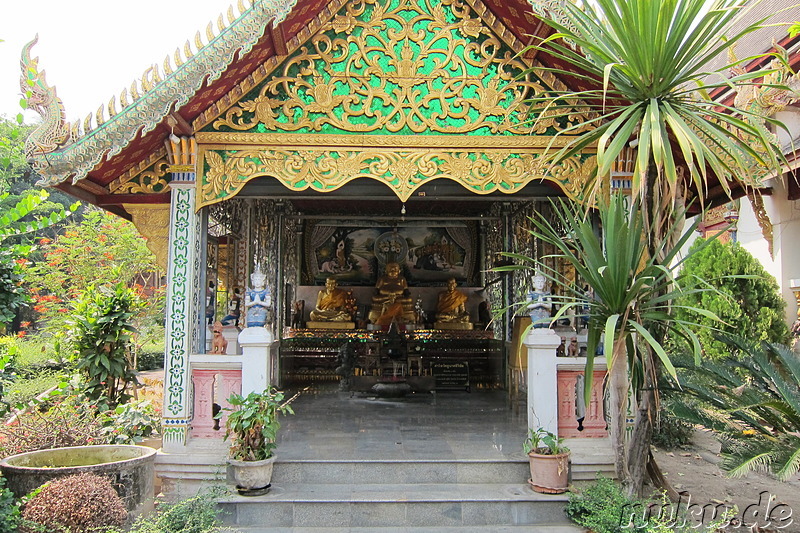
399	91
400	67
153	179
402	170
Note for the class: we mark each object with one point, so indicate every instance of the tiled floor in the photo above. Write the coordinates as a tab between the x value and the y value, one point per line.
445	425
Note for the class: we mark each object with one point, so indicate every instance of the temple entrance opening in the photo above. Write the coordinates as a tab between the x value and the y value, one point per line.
372	294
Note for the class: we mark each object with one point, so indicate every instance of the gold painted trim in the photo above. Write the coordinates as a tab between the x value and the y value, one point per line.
134	171
147	181
757	203
181	168
152	221
233	140
482	171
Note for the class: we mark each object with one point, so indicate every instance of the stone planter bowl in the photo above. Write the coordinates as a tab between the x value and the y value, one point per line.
130	469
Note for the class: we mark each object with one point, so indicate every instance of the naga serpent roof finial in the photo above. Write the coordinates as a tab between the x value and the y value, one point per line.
54	131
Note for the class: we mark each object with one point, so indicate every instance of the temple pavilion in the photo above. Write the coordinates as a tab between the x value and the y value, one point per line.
324	139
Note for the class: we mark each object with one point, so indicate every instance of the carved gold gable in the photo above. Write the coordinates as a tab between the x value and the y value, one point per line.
400	91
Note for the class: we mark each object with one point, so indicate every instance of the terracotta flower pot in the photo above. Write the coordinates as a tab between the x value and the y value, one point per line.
549	473
252	475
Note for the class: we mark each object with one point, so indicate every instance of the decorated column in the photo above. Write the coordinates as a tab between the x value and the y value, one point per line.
182	312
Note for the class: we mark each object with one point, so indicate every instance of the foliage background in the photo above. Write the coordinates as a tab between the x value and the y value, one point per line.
102	249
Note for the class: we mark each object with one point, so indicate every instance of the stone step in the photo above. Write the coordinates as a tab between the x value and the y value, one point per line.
396	505
590	472
401	471
362	472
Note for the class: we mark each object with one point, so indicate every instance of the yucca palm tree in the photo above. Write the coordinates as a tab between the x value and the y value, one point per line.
644	63
645	60
632	292
752	402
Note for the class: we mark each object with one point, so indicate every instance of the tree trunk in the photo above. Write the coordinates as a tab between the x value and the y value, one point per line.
639	448
618	405
658	479
658	221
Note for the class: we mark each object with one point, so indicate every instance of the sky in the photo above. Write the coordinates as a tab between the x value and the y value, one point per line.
92	49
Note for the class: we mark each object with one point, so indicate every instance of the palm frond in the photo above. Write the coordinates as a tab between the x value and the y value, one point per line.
647	61
762	431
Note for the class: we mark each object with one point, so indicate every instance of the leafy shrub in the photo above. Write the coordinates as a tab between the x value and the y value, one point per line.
149	361
6	357
9	509
747	298
131	423
599	507
603	507
100	335
12	294
75	504
194	515
69	422
671	431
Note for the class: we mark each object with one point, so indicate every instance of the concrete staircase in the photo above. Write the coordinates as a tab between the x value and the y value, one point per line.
590	457
402	495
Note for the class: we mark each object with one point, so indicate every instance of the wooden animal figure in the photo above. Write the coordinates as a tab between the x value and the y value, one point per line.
219	345
572	349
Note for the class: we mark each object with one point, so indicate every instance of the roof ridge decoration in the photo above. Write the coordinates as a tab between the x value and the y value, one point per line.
554	10
59	150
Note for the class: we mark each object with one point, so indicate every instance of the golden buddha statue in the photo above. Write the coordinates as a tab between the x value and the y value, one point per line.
392	300
451	308
332	304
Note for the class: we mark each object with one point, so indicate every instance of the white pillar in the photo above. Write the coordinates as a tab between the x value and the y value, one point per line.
542	379
257	346
182	312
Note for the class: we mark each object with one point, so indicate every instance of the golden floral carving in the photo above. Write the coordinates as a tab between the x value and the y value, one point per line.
757	202
152	221
471	142
146	182
402	170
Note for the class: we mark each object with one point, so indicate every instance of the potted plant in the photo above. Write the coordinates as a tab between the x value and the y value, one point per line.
252	425
549	460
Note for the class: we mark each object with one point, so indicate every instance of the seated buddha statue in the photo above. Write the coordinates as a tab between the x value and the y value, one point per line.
392	300
332	304
451	306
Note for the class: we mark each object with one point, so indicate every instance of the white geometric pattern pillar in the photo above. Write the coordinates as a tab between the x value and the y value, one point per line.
182	313
542	379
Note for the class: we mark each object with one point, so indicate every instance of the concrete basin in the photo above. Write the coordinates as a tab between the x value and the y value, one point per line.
130	469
